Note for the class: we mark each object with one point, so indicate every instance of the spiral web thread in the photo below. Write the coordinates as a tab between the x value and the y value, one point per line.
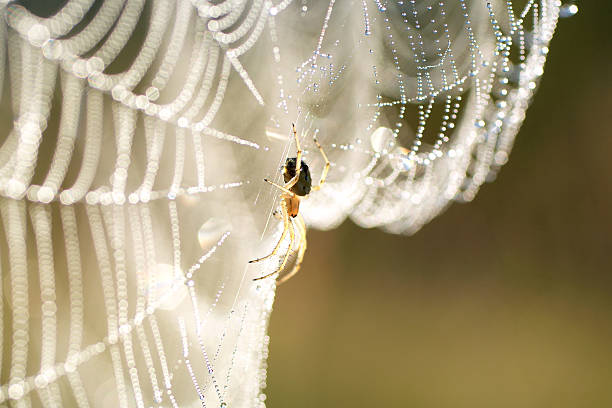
130	178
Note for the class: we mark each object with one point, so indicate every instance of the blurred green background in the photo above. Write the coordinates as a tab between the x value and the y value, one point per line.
503	302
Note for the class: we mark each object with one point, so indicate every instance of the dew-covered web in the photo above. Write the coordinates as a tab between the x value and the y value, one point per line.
135	137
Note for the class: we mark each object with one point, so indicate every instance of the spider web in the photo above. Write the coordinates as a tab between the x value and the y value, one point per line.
130	178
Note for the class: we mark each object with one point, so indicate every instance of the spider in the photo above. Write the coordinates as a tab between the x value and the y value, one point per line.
298	183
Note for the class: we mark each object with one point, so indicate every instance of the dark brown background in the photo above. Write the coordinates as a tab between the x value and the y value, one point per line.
503	302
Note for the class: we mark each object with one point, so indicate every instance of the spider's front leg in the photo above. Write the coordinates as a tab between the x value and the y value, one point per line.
325	169
298	161
283	189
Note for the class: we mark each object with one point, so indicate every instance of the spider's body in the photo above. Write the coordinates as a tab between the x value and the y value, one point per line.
304	184
298	183
301	188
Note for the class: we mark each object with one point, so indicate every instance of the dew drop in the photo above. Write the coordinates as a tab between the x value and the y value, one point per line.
52	49
568	10
211	231
142	102
94	64
15	391
381	139
38	34
152	93
79	68
45	194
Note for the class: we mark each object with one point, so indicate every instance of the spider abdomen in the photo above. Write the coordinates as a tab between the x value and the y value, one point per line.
304	183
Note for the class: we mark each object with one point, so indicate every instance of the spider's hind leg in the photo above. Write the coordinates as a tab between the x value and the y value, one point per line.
285	218
301	251
288	225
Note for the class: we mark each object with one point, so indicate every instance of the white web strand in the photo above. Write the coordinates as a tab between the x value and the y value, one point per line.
130	171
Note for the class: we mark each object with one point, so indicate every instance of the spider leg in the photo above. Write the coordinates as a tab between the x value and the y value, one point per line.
325	169
285	218
301	251
286	257
298	161
283	189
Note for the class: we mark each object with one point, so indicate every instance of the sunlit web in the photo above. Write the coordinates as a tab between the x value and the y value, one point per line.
135	138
